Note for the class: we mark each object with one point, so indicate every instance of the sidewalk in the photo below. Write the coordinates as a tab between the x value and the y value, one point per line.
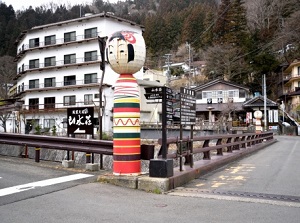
201	167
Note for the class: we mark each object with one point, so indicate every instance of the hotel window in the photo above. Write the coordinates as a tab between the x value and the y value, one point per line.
70	100
90	78
199	95
90	56
34	42
298	71
69	37
88	99
33	83
49	102
50	40
69	59
220	94
233	93
70	80
33	103
49	123
65	122
242	93
49	61
214	94
49	82
90	33
34	63
207	94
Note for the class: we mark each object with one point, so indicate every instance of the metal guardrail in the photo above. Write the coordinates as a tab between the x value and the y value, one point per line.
87	146
186	148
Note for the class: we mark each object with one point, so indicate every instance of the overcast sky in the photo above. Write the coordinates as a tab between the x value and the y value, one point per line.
24	4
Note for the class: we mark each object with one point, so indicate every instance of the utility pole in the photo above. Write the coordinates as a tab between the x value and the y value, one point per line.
188	45
102	43
168	63
265	104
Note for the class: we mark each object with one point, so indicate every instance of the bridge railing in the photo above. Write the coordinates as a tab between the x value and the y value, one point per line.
87	146
187	146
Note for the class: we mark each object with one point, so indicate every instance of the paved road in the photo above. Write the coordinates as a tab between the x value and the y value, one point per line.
85	201
21	179
269	176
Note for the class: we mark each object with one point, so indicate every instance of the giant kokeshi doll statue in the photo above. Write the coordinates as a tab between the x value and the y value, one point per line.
126	52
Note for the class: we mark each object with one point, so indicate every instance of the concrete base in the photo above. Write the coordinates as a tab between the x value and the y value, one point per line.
123	181
142	182
68	163
92	166
154	185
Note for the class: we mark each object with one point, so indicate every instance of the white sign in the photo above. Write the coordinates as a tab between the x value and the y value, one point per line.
275	115
270	115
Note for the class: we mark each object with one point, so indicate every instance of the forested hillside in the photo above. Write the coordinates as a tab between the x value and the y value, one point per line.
239	39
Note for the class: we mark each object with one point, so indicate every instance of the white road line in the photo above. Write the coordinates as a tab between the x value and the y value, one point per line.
43	183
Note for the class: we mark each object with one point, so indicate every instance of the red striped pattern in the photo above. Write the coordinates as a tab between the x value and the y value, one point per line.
132	167
126	109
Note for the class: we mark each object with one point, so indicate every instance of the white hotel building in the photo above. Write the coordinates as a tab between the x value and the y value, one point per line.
58	66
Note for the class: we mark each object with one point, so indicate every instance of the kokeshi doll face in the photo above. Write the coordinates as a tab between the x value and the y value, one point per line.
126	52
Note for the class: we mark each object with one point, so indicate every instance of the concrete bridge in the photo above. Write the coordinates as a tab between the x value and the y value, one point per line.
262	187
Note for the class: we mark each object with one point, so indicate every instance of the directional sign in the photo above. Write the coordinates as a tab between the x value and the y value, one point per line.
80	120
187	106
154	93
162	95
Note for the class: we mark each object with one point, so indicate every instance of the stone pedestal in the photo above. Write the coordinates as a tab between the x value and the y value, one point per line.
92	166
68	163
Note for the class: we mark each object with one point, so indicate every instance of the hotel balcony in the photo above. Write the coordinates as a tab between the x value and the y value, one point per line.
58	64
56	86
286	93
57	107
56	42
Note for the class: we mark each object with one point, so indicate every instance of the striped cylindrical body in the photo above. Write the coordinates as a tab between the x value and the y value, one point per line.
126	127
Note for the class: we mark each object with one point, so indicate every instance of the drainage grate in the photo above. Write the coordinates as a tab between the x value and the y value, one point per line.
244	194
259	196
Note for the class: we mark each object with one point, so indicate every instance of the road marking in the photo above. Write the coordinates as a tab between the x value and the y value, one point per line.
43	183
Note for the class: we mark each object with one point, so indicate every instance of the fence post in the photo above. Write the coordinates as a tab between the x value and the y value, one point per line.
206	155
243	145
229	148
37	154
219	151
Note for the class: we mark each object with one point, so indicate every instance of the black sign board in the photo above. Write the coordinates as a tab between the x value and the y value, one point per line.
153	93
162	95
187	106
80	120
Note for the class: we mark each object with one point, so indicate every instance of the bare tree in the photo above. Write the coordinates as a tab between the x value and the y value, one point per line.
265	14
226	62
7	73
3	119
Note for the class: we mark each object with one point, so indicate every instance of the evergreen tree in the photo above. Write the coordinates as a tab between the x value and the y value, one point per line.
231	25
194	25
222	24
7	30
